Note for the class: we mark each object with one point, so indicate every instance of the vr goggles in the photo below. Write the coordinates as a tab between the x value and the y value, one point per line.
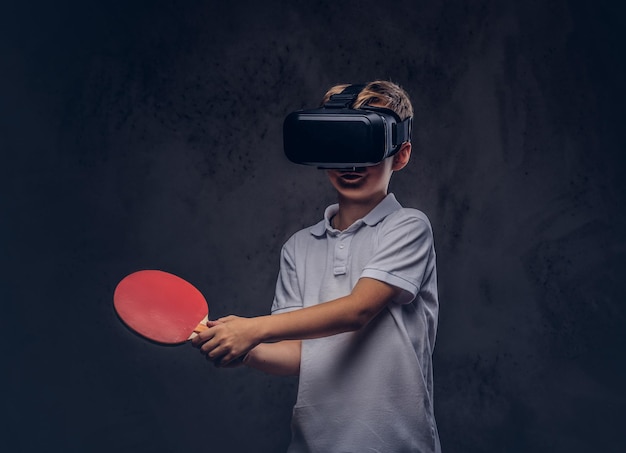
337	136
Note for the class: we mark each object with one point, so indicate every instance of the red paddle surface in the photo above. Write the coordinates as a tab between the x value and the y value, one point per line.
160	306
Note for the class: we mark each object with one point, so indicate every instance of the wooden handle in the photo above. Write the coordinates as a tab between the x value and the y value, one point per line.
201	327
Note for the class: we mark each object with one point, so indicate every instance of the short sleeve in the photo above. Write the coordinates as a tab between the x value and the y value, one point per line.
404	255
287	296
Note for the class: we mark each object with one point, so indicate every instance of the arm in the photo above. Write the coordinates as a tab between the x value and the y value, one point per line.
282	358
235	336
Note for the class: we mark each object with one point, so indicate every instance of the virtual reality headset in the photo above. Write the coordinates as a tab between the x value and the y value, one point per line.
338	136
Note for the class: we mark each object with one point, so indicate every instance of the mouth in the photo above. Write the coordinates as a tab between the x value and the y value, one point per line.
351	176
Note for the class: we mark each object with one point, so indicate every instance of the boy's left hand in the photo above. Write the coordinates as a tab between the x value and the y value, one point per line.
227	339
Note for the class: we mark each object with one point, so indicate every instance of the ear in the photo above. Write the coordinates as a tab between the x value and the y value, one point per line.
401	158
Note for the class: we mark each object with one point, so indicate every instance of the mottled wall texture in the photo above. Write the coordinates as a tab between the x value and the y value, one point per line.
147	134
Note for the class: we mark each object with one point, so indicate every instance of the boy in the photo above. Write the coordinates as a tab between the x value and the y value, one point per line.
354	315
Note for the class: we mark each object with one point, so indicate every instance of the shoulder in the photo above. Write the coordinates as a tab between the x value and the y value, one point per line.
304	236
407	218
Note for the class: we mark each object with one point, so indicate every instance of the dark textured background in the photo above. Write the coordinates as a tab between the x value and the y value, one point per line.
148	135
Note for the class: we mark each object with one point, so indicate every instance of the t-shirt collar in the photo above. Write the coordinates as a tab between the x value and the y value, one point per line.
388	205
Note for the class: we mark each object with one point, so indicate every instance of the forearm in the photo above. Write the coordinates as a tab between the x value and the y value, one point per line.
282	358
321	320
345	314
232	337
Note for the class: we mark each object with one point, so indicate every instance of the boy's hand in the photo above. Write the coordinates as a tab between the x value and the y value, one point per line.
227	339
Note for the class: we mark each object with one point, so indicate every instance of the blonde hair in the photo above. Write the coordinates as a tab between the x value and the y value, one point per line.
382	92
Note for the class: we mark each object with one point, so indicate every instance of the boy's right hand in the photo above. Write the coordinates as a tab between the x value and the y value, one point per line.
226	340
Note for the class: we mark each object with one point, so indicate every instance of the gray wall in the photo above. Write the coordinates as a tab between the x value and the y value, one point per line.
149	136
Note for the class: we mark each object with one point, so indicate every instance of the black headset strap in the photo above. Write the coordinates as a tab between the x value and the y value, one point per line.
402	131
346	98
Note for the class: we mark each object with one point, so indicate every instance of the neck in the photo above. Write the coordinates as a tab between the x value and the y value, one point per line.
352	210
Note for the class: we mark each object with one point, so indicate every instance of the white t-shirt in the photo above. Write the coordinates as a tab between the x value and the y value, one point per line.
370	390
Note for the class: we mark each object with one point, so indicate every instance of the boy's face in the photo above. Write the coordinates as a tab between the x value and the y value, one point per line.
368	183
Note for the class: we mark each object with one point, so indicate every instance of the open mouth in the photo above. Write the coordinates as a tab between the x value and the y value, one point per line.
351	176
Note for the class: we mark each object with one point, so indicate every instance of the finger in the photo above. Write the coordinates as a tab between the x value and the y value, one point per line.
209	346
213	323
221	363
217	362
231	359
234	364
202	337
223	353
216	348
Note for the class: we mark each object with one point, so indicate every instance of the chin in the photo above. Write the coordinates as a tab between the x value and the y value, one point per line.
360	196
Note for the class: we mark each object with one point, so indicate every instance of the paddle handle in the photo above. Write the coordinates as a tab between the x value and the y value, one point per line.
201	327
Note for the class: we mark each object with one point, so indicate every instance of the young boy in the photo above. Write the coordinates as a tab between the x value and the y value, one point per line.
355	314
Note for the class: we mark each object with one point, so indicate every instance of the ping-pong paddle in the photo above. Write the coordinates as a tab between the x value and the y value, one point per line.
161	306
